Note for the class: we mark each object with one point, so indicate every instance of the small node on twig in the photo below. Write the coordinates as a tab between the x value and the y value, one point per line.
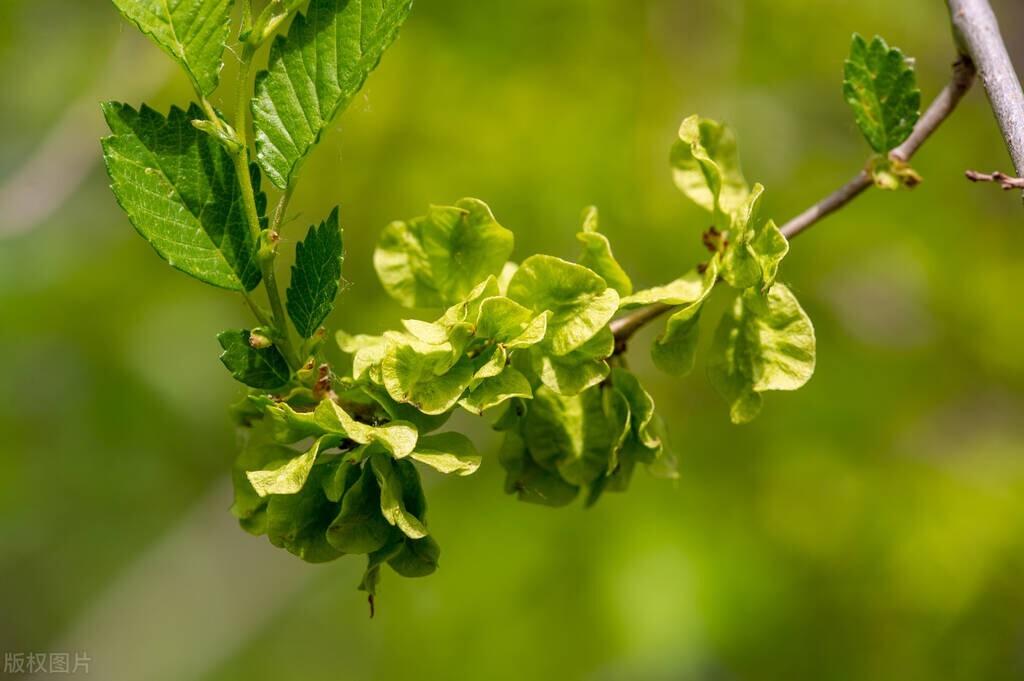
1002	179
713	240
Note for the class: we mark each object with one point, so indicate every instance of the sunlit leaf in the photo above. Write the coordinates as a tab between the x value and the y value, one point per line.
597	255
180	191
579	300
314	73
439	259
193	33
263	368
762	343
448	453
316	276
706	166
881	88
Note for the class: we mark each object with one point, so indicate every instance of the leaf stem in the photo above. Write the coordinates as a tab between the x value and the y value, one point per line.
278	319
258	312
940	109
278	219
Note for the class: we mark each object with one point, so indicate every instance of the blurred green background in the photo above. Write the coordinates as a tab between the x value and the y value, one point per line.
870	526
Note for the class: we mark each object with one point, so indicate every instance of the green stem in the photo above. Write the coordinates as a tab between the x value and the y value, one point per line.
278	318
282	206
258	312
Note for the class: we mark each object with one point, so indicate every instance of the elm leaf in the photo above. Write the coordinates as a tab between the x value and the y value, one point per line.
675	350
573	435
579	300
424	375
448	453
299	522
706	166
579	370
393	501
416	557
316	276
397	437
258	451
359	526
291	477
881	87
597	254
313	75
439	259
641	407
193	33
180	191
529	481
689	288
491	392
762	343
740	266
263	368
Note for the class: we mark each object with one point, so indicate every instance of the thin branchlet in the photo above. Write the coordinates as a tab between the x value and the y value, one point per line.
933	118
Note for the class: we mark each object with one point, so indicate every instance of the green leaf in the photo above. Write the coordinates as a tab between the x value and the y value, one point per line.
579	300
395	493
439	259
316	276
374	562
762	343
770	248
527	480
263	368
193	33
314	73
891	173
574	435
502	319
534	333
641	407
491	392
690	288
299	522
740	266
416	557
360	527
368	352
291	477
345	475
489	363
424	375
675	350
180	191
448	453
467	310
706	166
397	437
756	247
881	88
597	254
424	423
259	451
579	370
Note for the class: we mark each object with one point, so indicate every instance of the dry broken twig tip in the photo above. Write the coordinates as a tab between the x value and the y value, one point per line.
1007	182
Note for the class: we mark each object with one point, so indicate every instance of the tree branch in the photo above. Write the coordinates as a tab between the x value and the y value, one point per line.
937	113
977	34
